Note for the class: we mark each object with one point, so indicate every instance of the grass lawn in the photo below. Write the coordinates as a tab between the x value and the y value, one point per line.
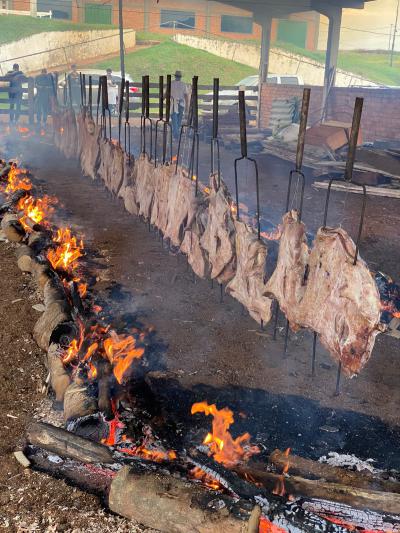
169	56
14	27
372	65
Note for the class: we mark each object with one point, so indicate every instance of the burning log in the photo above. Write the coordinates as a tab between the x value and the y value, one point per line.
56	314
25	258
161	501
53	291
360	498
104	375
59	377
308	468
77	401
12	228
66	444
42	274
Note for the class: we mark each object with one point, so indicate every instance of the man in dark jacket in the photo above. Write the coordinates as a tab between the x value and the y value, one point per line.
15	78
44	93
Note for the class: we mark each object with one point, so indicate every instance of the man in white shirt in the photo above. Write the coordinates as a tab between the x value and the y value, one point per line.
112	90
179	97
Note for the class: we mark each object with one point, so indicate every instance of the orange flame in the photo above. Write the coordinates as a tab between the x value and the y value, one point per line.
68	251
35	209
223	447
17	180
121	350
280	486
151	454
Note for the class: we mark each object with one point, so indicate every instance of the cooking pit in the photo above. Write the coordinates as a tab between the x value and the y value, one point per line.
175	403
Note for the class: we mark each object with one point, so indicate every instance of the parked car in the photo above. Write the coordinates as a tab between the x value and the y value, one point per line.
250	83
116	77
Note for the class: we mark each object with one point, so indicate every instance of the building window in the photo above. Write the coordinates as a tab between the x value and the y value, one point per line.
233	24
185	20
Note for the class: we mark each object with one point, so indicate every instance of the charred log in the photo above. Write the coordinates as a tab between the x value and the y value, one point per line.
66	444
307	468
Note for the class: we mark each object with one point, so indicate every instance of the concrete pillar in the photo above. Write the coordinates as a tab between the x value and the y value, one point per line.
146	15
264	59
332	51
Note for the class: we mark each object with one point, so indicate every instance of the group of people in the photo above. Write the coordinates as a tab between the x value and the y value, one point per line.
46	93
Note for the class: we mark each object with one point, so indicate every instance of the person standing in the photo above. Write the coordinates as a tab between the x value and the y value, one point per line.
44	92
74	86
15	78
179	100
112	92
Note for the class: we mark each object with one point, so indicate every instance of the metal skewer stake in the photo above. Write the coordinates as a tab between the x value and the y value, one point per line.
146	117
120	107
187	130
127	126
215	154
90	97
244	157
297	172
98	99
166	126
84	91
348	177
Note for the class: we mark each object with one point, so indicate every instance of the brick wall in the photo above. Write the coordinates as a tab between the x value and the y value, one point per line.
208	18
381	112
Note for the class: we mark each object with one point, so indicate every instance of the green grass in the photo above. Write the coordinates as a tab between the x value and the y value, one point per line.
372	65
14	27
169	56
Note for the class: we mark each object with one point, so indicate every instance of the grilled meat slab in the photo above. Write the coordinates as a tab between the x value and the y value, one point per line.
248	284
341	301
159	212
90	155
219	236
145	185
181	207
191	247
287	283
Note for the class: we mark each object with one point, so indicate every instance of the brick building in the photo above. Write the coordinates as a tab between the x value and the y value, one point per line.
201	17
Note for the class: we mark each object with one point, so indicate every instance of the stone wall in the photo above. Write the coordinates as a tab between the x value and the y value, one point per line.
281	62
61	48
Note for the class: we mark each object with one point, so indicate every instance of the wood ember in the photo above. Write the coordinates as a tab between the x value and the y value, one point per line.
78	401
315	470
360	498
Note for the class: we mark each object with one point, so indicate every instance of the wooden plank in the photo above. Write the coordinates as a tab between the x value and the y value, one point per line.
371	191
341	165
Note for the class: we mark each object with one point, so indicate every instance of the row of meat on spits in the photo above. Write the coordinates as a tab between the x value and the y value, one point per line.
318	287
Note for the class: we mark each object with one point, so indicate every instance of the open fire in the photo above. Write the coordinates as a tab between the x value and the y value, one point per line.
97	344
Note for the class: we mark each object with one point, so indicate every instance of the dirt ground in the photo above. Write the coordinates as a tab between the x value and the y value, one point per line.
31	501
214	350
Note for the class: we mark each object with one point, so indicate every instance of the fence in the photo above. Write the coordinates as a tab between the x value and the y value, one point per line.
27	97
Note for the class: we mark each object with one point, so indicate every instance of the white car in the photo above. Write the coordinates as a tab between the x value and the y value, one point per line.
250	83
116	77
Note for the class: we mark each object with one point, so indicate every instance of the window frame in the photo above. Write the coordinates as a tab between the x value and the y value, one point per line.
179	25
236	30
